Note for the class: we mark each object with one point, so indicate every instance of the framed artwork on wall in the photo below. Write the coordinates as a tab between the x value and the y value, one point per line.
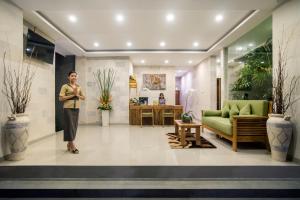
154	81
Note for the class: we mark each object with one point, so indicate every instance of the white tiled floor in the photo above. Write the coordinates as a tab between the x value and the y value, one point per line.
132	145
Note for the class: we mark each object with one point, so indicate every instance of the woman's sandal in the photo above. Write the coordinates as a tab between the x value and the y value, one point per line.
75	151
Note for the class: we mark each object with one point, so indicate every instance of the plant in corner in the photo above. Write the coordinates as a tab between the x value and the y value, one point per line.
279	126
17	82
105	80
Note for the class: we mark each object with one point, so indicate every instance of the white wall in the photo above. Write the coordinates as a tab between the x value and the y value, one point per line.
120	91
287	17
203	80
169	93
41	109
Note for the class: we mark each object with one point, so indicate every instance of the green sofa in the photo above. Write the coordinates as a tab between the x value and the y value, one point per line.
240	128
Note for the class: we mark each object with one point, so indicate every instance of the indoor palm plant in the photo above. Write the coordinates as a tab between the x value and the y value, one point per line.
17	82
105	80
279	126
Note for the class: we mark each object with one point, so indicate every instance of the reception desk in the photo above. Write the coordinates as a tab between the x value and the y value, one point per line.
135	114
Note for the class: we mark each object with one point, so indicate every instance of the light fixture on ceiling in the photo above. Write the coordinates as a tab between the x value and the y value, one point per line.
218	60
250	44
170	17
166	61
239	48
96	44
129	44
119	18
195	44
219	18
142	61
162	44
72	18
190	61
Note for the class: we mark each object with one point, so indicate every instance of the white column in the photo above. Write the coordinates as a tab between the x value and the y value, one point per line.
224	75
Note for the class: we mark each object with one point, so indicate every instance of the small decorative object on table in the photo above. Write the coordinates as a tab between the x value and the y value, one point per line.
186	117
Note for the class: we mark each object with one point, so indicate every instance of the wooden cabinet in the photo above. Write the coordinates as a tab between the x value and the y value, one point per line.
135	114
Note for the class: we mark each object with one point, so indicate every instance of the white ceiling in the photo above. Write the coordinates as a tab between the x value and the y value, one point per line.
145	26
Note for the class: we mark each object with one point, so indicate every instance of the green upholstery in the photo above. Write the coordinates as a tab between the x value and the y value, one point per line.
212	113
219	123
225	110
233	111
258	107
246	110
214	120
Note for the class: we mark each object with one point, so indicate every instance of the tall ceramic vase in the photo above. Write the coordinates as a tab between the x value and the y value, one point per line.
16	130
105	117
279	130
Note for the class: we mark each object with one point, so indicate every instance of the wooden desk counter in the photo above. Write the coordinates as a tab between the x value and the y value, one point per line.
135	114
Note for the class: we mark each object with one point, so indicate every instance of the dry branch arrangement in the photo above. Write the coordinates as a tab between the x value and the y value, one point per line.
17	84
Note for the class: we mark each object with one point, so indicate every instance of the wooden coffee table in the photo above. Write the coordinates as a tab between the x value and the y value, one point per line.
182	128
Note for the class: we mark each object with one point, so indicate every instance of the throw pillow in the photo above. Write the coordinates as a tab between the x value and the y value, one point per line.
225	111
234	111
246	110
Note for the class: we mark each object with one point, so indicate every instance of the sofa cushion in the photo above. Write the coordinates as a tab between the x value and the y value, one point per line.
225	110
233	111
258	107
220	123
246	110
212	113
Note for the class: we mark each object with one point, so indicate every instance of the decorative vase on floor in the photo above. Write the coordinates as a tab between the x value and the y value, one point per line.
16	130
279	130
105	117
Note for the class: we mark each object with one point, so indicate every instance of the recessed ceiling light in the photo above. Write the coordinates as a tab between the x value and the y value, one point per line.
170	17
142	61
219	18
218	60
250	44
162	44
239	48
72	18
190	61
119	18
195	44
166	61
129	44
96	44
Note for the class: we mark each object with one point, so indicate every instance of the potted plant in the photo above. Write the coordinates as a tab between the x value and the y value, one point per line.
279	126
187	116
105	80
17	90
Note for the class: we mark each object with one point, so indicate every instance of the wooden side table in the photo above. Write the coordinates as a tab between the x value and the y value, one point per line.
181	128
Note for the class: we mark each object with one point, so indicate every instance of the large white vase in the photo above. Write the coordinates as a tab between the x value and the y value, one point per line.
105	117
16	130
279	130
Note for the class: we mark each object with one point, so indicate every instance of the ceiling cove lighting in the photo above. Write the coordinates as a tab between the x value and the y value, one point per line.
96	44
239	48
170	17
166	61
72	18
162	44
219	18
195	44
129	44
119	18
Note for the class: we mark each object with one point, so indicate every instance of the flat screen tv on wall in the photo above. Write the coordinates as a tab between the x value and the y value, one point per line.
38	47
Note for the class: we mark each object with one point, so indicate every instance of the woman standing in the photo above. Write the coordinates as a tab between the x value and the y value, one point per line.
71	94
161	99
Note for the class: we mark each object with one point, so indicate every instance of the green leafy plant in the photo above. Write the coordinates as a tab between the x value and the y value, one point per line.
105	80
255	78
